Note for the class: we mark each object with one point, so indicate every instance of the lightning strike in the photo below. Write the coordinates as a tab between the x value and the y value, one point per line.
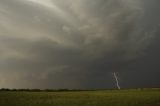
117	82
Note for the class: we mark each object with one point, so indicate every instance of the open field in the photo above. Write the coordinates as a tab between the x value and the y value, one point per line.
139	97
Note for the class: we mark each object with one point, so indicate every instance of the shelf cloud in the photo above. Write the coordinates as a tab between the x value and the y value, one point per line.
79	43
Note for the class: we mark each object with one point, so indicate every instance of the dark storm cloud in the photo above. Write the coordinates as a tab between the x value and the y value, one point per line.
78	44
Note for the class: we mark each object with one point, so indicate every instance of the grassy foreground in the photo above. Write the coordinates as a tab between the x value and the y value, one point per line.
145	97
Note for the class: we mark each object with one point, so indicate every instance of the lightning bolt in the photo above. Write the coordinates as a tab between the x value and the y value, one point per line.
117	82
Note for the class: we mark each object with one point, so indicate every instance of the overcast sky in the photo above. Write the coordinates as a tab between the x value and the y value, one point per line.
79	43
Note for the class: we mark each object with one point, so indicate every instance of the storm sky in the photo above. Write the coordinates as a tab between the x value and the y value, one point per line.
79	43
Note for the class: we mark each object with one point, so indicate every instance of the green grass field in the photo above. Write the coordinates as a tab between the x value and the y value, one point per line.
145	97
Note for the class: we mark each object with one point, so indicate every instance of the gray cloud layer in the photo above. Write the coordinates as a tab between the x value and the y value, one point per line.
79	43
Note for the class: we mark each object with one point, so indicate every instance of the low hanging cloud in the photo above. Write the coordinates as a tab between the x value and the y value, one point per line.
78	43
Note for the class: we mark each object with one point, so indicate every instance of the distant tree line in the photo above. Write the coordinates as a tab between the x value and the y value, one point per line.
44	90
68	90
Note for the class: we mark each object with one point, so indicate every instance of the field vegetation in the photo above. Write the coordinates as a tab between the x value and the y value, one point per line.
64	97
